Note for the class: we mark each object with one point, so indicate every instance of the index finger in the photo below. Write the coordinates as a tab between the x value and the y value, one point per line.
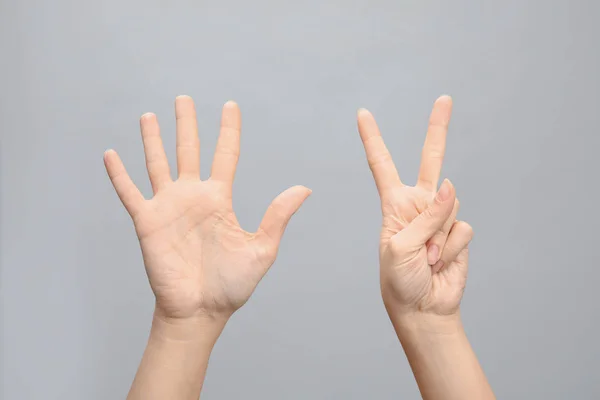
435	144
379	158
228	145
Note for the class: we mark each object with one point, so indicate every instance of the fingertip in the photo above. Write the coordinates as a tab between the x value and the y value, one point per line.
147	116
433	254
367	126
446	191
438	266
230	104
112	161
450	184
300	190
108	153
184	105
444	98
307	192
363	112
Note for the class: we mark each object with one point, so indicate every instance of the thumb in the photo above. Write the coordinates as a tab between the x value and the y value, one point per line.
430	221
279	213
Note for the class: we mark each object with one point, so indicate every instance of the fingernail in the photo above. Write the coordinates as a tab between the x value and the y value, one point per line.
444	191
432	254
147	116
438	266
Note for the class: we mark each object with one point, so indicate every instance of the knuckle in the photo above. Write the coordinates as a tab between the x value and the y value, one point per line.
464	229
431	212
435	154
268	253
267	248
229	152
380	159
468	229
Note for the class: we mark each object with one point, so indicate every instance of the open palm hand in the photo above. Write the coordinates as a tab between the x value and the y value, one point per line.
197	257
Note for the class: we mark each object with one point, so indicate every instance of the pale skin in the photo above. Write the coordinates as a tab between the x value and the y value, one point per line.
423	263
202	266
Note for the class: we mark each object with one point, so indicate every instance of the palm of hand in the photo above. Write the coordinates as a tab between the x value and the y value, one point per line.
427	274
195	252
197	257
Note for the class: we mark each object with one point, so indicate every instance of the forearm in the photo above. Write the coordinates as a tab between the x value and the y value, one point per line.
441	357
176	357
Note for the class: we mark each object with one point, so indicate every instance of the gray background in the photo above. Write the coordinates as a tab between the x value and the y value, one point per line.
76	305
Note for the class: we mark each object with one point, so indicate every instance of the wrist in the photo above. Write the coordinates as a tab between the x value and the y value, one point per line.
193	329
417	324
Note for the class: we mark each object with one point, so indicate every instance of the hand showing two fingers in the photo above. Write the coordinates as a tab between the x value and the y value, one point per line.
423	249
